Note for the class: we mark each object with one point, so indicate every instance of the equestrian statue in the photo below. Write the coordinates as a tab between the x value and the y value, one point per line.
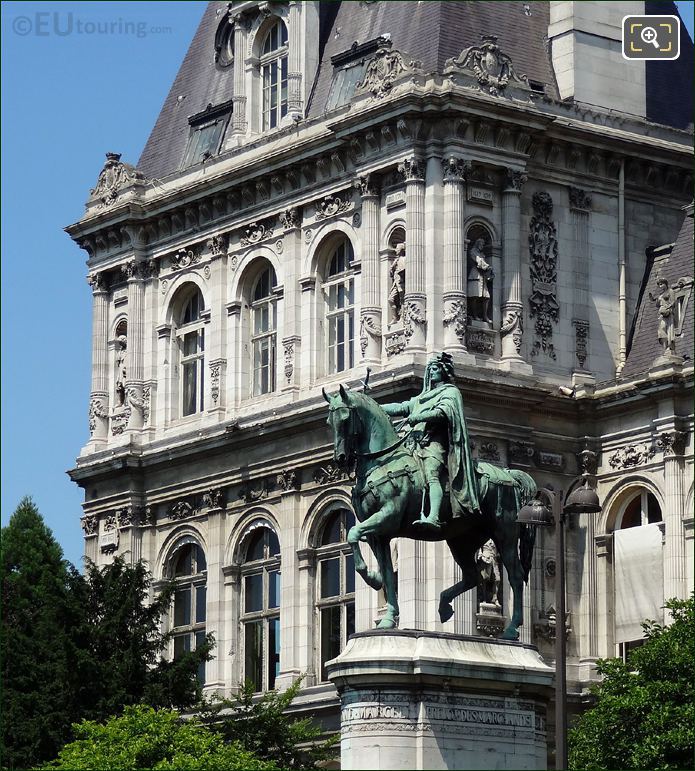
424	484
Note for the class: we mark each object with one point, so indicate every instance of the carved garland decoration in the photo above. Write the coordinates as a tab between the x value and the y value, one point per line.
513	324
455	315
492	68
332	205
543	250
368	325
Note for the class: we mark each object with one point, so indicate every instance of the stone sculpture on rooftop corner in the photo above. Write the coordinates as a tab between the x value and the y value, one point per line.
417	479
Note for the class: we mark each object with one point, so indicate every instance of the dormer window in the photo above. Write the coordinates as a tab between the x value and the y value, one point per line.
274	74
207	128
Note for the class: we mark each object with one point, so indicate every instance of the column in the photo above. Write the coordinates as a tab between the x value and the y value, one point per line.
135	271
239	122
512	328
289	369
99	397
415	306
605	592
370	299
454	296
675	577
295	103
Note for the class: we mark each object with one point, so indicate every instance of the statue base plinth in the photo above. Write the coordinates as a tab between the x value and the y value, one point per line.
426	700
489	620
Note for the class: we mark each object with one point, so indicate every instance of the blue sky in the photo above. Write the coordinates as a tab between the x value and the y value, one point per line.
74	86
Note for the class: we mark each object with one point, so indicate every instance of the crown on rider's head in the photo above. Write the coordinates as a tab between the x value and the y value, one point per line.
446	362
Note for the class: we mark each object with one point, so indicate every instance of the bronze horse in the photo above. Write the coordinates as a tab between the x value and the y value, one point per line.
388	494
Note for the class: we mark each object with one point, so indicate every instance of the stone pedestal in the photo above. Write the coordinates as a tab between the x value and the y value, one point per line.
425	700
489	620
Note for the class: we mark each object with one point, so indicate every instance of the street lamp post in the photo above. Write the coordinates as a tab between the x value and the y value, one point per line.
582	500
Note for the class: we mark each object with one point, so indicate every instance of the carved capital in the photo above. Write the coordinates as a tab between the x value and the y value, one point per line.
412	170
514	180
367	187
455	170
672	442
98	282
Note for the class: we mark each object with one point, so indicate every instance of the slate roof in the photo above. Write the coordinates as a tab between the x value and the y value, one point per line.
644	345
430	32
668	101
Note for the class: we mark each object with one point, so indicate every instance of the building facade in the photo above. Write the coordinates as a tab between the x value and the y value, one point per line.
336	186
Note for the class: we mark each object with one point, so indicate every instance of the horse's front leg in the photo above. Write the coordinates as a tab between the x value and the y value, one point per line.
373	525
382	549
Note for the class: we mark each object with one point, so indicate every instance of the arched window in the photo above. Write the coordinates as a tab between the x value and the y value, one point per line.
638	568
339	290
190	336
188	570
274	75
263	333
260	603
335	595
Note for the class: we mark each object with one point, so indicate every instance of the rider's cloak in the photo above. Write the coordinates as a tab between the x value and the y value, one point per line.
462	481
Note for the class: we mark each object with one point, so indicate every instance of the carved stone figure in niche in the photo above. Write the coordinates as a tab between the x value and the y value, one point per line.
397	289
480	277
121	374
666	307
487	561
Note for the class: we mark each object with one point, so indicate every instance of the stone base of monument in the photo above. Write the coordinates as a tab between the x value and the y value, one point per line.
423	700
489	620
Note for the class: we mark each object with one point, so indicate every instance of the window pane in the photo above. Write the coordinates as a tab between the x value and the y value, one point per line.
182	644
253	591
330	636
200	600
349	619
200	560
190	344
200	674
274	589
349	574
653	509
254	550
253	654
331	530
349	521
182	607
183	566
273	544
330	577
273	651
189	387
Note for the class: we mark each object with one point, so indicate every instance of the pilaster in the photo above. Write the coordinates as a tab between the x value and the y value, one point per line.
415	306
370	300
99	397
512	328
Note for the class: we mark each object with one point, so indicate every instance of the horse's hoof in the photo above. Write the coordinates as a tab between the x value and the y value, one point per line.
445	612
386	623
510	633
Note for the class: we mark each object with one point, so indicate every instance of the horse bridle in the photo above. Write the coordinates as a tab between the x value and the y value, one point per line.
354	432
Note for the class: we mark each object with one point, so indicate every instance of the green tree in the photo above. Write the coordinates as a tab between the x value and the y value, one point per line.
145	738
35	701
644	716
263	726
120	644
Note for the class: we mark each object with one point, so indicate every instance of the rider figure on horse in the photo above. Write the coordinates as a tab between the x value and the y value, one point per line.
441	443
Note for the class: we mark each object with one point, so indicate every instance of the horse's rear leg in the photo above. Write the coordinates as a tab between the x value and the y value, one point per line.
463	551
506	540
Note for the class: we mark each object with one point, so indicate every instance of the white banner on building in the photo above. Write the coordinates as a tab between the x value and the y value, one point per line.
639	580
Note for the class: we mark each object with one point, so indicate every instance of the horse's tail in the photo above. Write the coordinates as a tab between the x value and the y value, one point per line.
527	533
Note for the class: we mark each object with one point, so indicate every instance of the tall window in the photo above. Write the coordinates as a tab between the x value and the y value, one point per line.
191	340
263	324
274	74
336	586
189	573
260	618
339	289
638	569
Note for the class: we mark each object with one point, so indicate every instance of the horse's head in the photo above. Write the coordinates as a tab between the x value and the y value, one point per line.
342	418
